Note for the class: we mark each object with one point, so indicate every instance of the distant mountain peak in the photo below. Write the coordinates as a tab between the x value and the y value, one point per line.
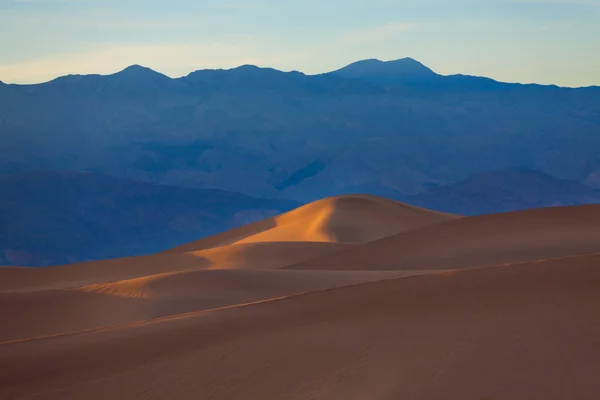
368	61
373	68
135	68
134	74
255	69
245	68
376	61
139	71
249	66
407	61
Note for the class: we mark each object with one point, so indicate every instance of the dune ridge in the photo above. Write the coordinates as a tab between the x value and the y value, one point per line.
342	219
490	239
311	231
353	297
58	311
236	256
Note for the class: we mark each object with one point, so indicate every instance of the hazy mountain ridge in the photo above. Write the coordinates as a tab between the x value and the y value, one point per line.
54	217
507	190
256	130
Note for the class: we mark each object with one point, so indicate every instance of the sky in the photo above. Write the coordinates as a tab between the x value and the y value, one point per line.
541	41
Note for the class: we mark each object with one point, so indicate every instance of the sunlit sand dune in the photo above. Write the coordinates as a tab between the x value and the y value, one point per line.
322	227
266	255
343	219
477	241
354	297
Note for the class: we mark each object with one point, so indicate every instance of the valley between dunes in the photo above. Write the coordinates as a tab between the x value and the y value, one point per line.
351	297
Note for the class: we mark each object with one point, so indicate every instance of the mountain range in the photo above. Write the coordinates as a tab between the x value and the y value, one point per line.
97	166
387	125
58	217
506	190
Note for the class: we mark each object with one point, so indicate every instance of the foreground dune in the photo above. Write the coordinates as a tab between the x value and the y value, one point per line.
343	219
54	300
527	331
48	312
340	299
483	240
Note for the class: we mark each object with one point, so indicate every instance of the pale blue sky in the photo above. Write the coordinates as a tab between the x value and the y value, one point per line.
543	41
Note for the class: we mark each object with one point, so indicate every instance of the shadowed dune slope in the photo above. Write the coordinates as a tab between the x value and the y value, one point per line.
343	219
20	279
515	332
54	311
477	241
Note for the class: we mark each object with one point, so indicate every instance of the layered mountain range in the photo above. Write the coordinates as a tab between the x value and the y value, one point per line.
96	166
372	125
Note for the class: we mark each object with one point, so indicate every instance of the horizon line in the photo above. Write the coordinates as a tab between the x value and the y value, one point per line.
287	72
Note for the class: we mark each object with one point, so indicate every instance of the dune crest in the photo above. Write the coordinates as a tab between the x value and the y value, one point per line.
343	219
483	240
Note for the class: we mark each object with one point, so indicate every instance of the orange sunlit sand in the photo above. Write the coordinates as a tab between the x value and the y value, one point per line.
353	297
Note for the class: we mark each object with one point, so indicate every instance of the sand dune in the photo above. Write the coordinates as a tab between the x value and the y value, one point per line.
477	241
48	312
28	279
515	332
343	219
322	227
236	256
261	312
267	255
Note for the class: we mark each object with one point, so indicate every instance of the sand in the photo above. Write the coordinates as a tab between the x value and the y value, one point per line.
342	219
485	240
334	318
243	256
54	311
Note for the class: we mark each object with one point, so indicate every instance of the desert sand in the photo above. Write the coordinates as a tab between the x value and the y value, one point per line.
354	297
484	240
342	219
